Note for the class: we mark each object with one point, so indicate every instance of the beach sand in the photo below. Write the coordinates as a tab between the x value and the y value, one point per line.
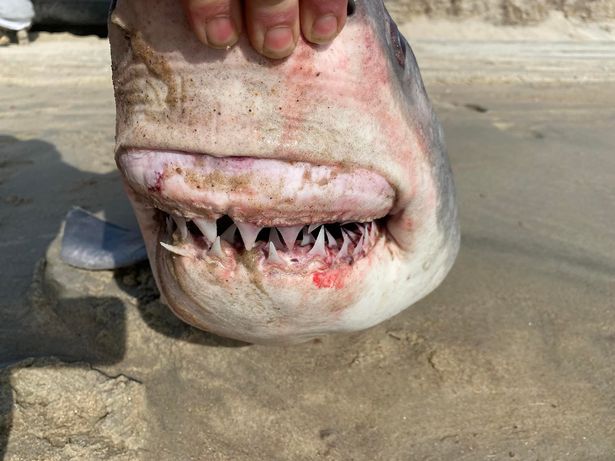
511	358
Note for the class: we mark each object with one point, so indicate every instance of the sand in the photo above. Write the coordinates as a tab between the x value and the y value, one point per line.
511	358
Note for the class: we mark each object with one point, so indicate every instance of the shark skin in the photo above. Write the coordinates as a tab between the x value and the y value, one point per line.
283	200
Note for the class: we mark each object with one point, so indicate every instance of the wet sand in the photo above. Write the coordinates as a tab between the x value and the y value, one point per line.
511	358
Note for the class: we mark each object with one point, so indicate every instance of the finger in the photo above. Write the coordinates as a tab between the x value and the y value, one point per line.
273	26
217	23
322	20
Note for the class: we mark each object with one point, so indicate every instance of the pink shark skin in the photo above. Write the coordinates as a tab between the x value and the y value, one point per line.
332	134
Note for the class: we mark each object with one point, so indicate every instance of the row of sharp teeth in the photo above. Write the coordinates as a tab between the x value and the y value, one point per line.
354	242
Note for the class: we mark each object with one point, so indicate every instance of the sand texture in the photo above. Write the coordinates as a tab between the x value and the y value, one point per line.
511	358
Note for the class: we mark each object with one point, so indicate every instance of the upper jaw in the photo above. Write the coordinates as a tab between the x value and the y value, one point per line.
212	208
262	192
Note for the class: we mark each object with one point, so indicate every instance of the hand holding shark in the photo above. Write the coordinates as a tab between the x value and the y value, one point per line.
273	26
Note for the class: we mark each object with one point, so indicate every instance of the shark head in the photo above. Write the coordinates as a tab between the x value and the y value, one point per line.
282	200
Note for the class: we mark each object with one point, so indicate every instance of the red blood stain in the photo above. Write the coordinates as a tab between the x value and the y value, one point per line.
157	187
330	279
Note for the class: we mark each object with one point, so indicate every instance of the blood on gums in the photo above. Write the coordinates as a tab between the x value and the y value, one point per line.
157	186
334	278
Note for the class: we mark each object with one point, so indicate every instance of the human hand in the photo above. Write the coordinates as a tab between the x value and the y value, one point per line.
273	26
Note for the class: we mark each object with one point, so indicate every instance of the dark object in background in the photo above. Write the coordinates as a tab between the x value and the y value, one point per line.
71	12
82	17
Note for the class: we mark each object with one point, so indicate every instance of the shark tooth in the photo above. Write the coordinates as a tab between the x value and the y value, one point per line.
353	236
273	257
319	247
289	235
249	233
216	249
306	238
364	234
330	240
373	231
180	221
274	237
358	248
344	250
176	250
345	244
207	227
311	227
229	234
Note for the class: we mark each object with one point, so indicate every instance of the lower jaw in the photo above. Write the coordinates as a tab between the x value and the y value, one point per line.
245	298
244	295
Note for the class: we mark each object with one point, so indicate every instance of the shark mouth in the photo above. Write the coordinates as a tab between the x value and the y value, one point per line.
329	244
290	215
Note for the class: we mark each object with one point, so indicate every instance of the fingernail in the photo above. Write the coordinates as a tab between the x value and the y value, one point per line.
324	28
278	41
220	32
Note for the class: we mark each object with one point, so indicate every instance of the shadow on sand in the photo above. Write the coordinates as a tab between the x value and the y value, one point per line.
36	190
